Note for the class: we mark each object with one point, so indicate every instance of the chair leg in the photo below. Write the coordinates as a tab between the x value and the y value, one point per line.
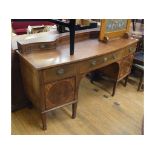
114	88
140	84
29	105
74	107
126	80
92	81
43	118
92	77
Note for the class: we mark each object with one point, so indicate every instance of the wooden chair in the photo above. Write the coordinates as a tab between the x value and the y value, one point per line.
138	62
140	68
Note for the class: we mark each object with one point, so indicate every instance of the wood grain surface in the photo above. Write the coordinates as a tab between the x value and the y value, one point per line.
85	49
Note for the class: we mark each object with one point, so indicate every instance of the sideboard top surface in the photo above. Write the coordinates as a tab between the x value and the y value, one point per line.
83	50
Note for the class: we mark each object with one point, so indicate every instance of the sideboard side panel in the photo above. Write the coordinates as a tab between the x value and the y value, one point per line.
31	82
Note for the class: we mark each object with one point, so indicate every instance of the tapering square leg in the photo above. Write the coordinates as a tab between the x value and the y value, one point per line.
74	107
29	105
114	88
140	84
43	118
126	80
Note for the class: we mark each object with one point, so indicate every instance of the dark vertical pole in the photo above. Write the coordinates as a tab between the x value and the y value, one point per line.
71	26
72	35
133	24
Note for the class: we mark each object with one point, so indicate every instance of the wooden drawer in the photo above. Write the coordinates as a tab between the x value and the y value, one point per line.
91	64
60	92
99	62
59	72
36	46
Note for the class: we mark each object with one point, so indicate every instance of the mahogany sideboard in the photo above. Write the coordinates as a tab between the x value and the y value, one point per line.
51	77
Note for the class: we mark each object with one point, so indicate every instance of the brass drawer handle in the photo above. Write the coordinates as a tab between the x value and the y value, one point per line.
105	59
113	57
43	46
93	62
60	71
132	49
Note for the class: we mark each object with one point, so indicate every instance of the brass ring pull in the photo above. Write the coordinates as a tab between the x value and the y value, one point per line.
60	71
105	59
93	62
113	57
132	49
42	46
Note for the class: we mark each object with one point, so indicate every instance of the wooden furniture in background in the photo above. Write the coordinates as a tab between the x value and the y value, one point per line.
51	77
138	62
36	29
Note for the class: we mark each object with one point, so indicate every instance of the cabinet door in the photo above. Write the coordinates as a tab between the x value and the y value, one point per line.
60	92
125	66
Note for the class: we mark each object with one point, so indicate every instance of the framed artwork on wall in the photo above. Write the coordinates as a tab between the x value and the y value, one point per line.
112	28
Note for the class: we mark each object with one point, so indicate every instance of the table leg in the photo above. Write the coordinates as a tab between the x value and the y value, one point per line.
74	107
114	88
43	118
126	80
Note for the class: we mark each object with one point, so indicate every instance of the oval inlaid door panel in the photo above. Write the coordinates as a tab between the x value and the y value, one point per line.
60	92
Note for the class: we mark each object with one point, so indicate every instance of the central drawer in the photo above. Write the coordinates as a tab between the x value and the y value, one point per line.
60	72
98	62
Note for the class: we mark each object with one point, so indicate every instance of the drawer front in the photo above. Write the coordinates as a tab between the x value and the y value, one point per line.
90	64
60	92
131	49
99	62
125	66
60	72
44	46
36	46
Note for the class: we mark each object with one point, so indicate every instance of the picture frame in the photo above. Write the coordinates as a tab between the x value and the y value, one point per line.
113	28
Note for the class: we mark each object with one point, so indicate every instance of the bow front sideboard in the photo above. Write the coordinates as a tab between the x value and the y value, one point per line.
51	76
